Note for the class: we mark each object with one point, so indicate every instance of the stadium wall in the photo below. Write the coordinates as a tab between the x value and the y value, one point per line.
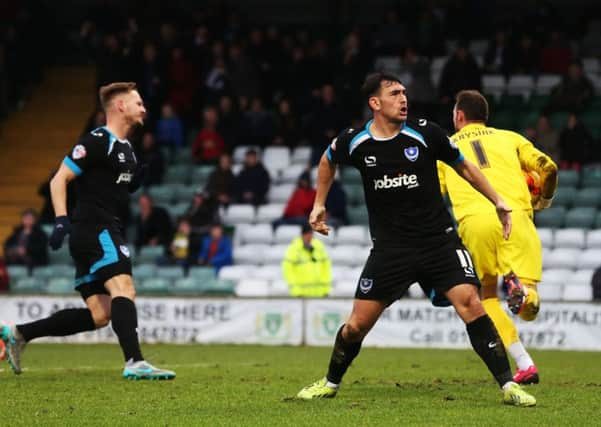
563	326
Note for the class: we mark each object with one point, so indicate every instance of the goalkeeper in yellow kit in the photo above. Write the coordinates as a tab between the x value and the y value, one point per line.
502	156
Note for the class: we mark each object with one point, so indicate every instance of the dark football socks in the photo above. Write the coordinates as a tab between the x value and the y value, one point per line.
343	354
125	322
488	345
64	322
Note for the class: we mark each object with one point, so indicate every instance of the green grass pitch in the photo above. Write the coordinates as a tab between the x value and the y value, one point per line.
253	386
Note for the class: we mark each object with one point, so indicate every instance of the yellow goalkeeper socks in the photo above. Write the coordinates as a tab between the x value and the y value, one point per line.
502	321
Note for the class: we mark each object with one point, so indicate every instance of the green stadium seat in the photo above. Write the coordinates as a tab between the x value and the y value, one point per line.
591	119
162	194
568	178
358	215
553	217
182	156
538	102
511	102
580	217
28	285
355	194
503	120
218	287
591	177
186	286
588	197
178	209
47	228
16	272
350	176
185	193
149	254
564	196
200	175
171	272
154	285
60	285
527	119
202	274
598	220
50	271
143	271
177	174
61	256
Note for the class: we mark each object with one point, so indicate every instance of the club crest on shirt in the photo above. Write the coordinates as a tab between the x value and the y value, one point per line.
412	153
365	285
79	152
124	250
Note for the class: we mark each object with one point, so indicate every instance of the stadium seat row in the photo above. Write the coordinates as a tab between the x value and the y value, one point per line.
576	217
575	238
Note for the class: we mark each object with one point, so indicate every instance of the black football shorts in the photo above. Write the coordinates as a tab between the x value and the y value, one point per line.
437	267
99	254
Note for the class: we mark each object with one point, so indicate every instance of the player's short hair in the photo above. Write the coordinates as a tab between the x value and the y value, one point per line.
108	92
473	104
373	84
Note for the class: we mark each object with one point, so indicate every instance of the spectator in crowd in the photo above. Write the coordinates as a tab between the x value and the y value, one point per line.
153	224
526	57
355	63
220	185
170	129
326	122
28	244
300	203
97	120
257	124
591	42
336	206
201	213
423	93
459	72
497	58
306	266
574	92
229	122
217	82
151	79
575	142
179	249
216	249
556	54
252	183
209	144
244	76
546	139
287	131
182	82
150	154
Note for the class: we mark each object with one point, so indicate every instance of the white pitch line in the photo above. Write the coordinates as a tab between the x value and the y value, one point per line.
176	365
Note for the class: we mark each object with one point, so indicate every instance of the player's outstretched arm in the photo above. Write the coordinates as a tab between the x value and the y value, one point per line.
58	193
471	173
325	176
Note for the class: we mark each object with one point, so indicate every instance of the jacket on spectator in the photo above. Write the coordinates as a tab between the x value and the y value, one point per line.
156	226
36	247
217	253
208	146
300	203
253	180
307	271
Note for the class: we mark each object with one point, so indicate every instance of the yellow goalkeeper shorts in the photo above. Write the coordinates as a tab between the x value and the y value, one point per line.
493	255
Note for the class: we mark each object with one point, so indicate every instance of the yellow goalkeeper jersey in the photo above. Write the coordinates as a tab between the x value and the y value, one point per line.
501	156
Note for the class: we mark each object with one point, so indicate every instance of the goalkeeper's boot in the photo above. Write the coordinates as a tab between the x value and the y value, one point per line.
15	344
143	370
318	390
516	293
514	395
531	304
526	376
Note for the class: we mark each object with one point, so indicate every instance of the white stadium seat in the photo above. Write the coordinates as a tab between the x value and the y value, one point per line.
280	193
578	292
493	84
556	276
250	254
569	238
266	214
348	255
268	272
279	288
351	235
239	214
252	288
546	82
301	155
589	258
478	46
344	288
258	233
274	255
285	233
546	237
593	239
276	157
561	258
340	272
240	152
582	277
550	292
520	84
292	173
235	272
391	64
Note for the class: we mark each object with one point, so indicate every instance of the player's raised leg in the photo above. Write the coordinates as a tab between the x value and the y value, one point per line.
346	347
486	342
62	323
125	323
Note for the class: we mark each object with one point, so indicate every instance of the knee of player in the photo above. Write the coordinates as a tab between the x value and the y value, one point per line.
354	331
101	319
